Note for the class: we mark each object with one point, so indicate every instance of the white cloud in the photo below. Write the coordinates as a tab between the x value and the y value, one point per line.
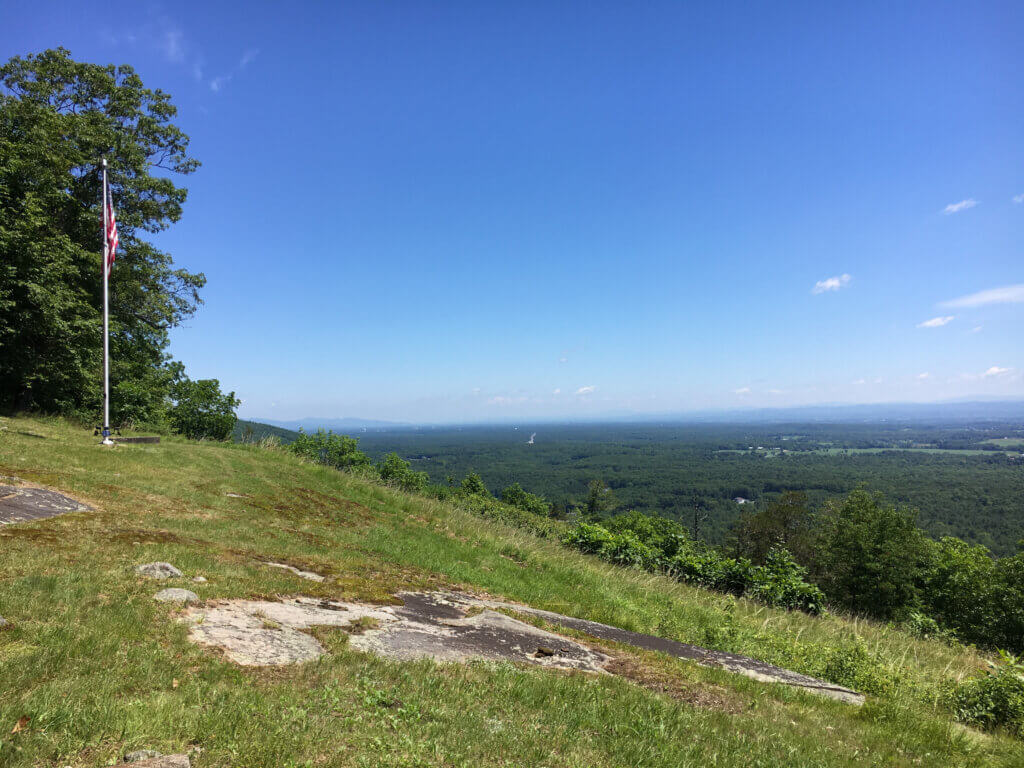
995	370
831	284
741	391
963	205
923	376
248	57
557	391
776	391
1018	198
976	329
936	322
219	82
1007	294
172	45
859	382
586	390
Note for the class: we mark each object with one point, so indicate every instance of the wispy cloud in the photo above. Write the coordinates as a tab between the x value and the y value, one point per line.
218	83
923	376
586	390
1018	198
963	205
936	322
995	370
741	391
831	283
1007	294
557	391
859	382
172	44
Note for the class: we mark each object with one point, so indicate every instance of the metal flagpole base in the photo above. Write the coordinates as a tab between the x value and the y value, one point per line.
106	438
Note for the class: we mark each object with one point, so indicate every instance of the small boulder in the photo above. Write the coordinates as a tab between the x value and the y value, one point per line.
140	755
199	579
176	595
164	761
3	622
158	571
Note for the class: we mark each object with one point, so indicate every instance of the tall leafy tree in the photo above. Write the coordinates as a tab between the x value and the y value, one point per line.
58	117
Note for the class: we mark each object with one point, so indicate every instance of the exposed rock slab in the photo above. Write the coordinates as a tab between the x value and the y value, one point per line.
263	633
257	633
743	665
20	504
437	625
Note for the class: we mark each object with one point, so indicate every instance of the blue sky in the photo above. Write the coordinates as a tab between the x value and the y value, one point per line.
471	211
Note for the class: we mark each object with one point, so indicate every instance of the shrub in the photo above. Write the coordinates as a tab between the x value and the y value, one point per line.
199	410
994	699
473	485
528	502
589	538
338	451
394	470
666	536
780	582
626	549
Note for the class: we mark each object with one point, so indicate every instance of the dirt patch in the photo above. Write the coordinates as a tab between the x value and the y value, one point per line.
661	681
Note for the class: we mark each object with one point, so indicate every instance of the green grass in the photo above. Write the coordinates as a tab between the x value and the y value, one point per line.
101	669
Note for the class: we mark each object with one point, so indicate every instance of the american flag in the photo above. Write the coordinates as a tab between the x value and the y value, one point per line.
111	232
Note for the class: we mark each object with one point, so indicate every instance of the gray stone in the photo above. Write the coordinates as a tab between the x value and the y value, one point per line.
3	622
176	595
297	571
158	571
199	579
20	504
140	755
164	761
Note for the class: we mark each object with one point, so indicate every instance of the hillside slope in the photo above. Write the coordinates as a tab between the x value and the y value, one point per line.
99	669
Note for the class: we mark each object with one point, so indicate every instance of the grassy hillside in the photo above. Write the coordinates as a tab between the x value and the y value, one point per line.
100	669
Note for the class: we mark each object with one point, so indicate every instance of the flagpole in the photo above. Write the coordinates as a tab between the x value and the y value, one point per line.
106	315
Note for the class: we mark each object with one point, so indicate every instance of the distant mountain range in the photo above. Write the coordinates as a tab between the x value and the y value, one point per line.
334	424
974	409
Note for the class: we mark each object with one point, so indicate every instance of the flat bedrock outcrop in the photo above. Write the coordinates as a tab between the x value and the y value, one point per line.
438	625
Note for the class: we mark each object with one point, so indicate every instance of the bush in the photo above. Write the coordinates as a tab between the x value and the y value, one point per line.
781	582
473	485
394	470
338	451
994	699
666	536
528	502
199	410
